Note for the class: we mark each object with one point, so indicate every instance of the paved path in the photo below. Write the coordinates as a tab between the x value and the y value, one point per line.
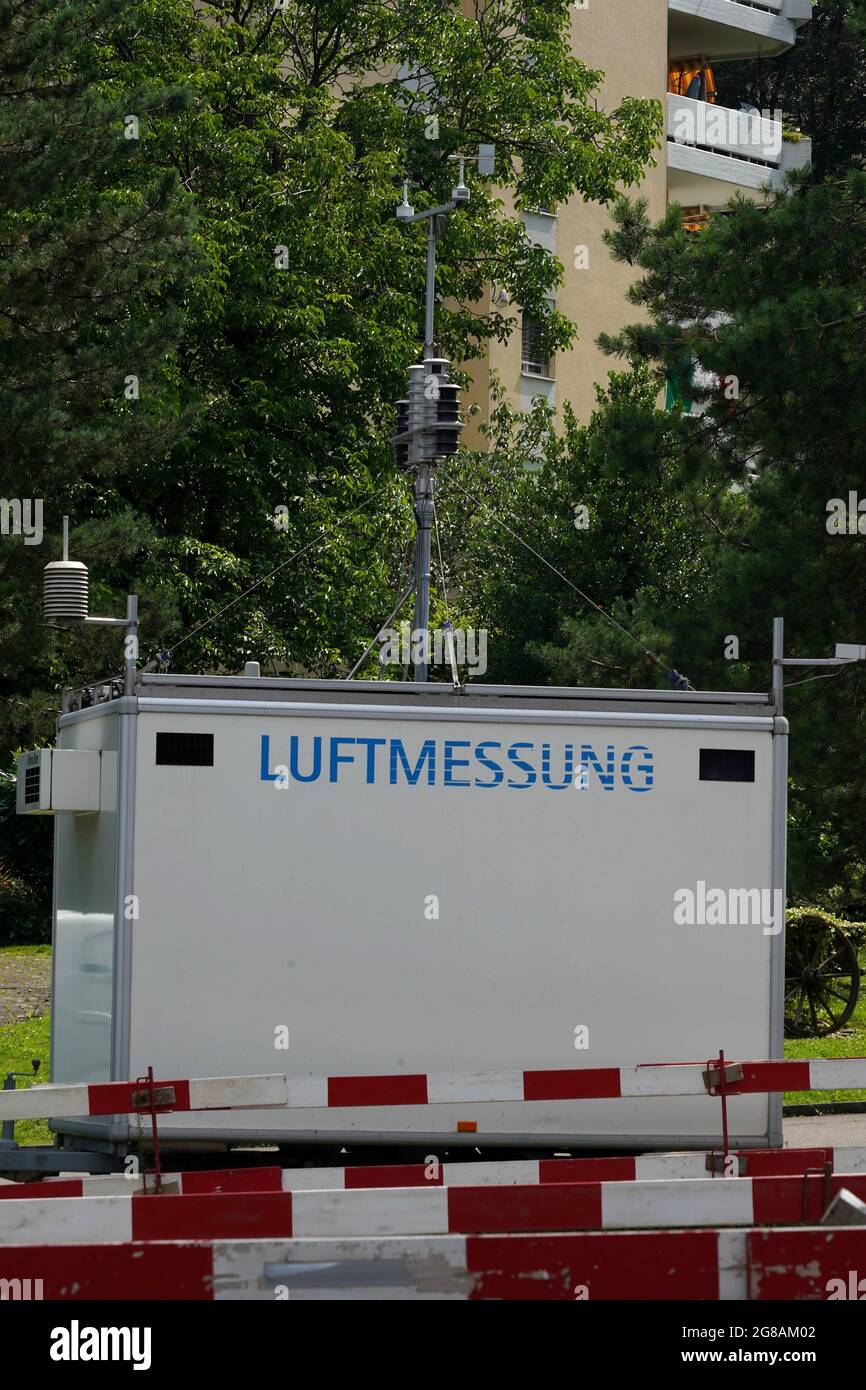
816	1131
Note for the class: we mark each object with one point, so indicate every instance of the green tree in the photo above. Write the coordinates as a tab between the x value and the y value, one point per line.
97	254
285	128
560	556
819	85
240	258
304	120
768	306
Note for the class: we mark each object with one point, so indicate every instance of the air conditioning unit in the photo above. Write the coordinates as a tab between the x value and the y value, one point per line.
57	779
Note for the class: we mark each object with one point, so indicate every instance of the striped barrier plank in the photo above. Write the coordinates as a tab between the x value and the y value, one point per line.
436	1088
506	1172
576	1083
711	1265
590	1206
644	1167
116	1184
130	1097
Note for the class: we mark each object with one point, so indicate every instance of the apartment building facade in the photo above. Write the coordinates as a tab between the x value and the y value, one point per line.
667	50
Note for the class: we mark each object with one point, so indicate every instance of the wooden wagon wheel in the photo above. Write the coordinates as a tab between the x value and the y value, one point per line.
822	978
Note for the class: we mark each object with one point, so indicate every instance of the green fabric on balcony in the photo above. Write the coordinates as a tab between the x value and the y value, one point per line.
679	388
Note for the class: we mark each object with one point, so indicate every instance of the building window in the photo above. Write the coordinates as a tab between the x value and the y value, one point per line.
534	360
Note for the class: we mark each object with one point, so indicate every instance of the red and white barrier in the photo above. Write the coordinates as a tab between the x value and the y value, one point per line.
753	1163
587	1206
806	1263
128	1097
436	1088
576	1083
643	1168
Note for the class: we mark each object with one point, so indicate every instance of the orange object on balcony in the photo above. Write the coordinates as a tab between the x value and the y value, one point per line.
695	219
692	77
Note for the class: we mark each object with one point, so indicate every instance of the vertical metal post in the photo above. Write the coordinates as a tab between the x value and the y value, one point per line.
424	518
154	1129
8	1132
778	668
780	851
424	482
131	646
430	308
724	1099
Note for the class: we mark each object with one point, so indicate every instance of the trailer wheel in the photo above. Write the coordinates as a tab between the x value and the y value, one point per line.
822	976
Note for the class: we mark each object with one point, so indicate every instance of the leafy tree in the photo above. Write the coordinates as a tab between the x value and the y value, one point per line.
306	117
818	84
548	500
768	305
97	255
727	503
284	128
240	259
25	870
96	250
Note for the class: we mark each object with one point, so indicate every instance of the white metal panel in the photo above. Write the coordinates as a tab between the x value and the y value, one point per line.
303	908
41	1102
383	1211
313	1179
462	1086
309	1090
85	850
827	1073
641	1206
650	1167
641	1081
239	1092
65	1220
509	1173
733	1266
75	776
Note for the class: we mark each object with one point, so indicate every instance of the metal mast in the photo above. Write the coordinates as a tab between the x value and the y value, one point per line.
428	422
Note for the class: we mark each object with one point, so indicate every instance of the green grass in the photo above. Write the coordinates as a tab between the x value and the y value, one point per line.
836	1045
19	1043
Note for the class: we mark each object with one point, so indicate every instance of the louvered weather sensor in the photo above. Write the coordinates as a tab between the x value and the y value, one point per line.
65	603
71	779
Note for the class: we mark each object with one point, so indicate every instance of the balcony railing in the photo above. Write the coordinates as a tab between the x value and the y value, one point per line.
722	129
709	142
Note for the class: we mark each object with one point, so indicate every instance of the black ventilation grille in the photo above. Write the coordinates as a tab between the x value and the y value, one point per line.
185	750
31	785
727	765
